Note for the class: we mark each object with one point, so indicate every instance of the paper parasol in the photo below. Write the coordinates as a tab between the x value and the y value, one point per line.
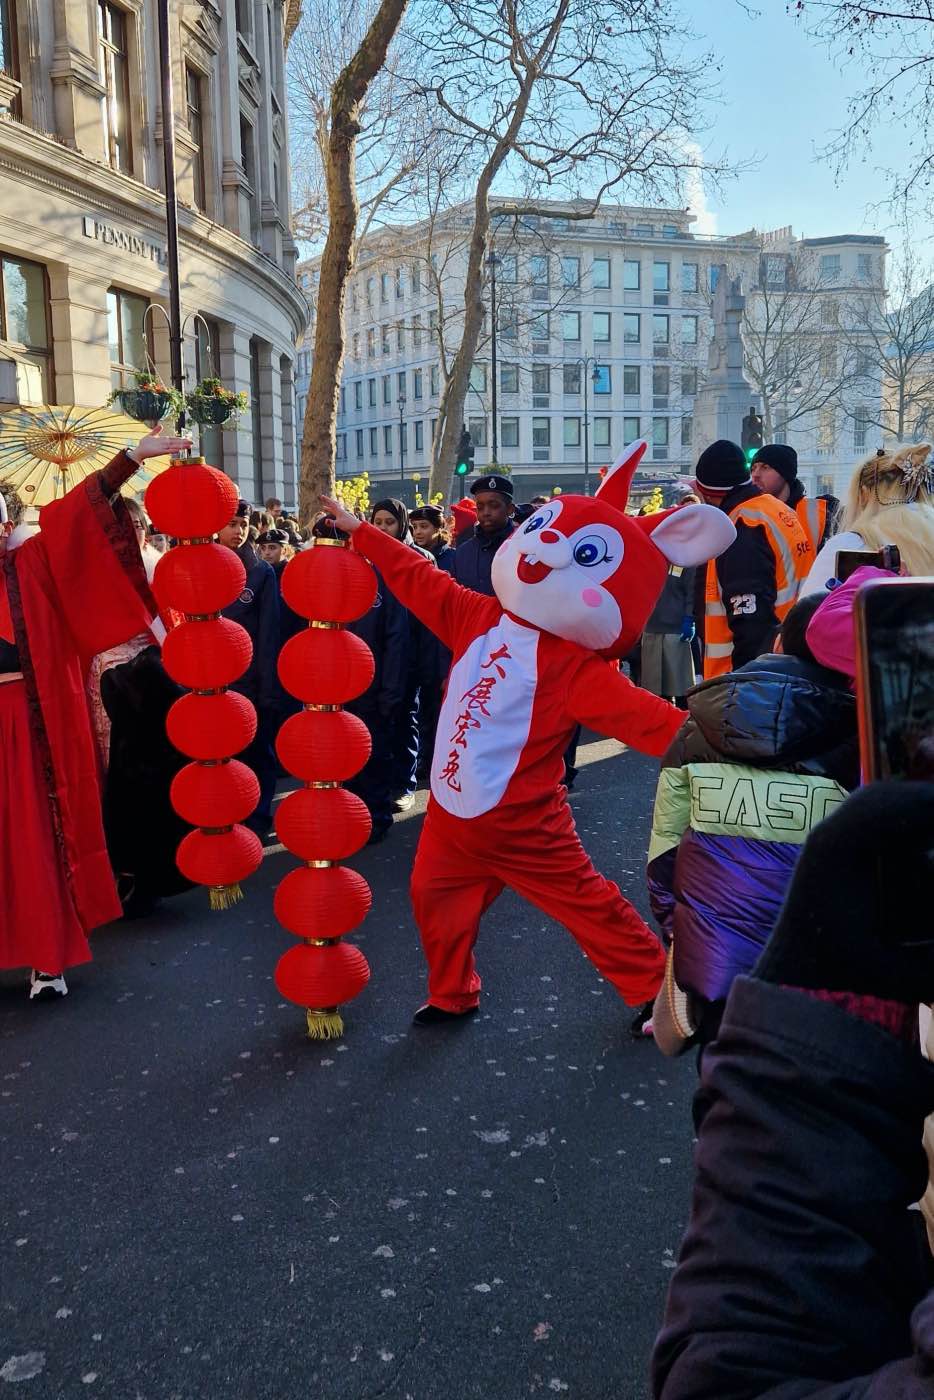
48	449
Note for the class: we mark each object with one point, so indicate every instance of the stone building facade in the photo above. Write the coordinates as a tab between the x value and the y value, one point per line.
82	217
603	329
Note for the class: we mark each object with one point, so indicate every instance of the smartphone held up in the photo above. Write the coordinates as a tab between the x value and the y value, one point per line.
895	678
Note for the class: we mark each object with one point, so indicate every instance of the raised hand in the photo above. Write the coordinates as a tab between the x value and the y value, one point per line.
342	518
157	444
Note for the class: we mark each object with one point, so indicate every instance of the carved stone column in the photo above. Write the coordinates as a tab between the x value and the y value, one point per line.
76	84
234	369
78	303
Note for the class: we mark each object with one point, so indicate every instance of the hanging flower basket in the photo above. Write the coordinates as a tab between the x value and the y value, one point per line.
212	404
149	401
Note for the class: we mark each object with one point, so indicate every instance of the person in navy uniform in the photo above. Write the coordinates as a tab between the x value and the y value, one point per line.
473	560
433	660
257	609
392	517
386	631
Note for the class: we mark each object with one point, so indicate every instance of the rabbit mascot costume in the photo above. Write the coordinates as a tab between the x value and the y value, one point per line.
575	585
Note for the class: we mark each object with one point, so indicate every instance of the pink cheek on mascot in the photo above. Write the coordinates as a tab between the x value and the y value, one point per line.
575	585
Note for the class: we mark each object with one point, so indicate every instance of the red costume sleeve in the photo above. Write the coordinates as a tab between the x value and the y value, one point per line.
604	700
446	608
94	562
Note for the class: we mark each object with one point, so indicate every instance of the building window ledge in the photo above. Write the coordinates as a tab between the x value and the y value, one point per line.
10	89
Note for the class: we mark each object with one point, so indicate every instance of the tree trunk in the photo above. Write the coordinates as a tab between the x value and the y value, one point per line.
442	470
455	395
319	440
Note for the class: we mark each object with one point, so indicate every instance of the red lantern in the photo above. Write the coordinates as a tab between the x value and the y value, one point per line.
322	903
329	582
207	655
202	578
325	666
322	977
191	500
323	746
216	794
322	823
220	860
211	726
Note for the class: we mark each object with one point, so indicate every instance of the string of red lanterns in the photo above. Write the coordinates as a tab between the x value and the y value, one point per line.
191	501
321	823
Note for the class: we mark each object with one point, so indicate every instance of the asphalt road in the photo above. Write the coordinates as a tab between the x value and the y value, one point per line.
197	1201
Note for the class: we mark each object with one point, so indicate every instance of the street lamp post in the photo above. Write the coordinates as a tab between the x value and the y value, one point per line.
401	402
585	364
171	207
492	262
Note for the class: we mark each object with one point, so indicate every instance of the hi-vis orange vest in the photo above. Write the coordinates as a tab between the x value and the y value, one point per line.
812	513
793	556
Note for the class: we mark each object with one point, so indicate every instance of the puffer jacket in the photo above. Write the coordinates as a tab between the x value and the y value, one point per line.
767	752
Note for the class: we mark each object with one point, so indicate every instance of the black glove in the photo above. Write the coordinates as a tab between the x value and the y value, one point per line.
859	914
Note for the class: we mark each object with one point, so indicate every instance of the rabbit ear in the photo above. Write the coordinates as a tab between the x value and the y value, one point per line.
614	489
692	534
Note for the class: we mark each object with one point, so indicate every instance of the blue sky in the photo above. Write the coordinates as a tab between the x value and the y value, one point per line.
782	98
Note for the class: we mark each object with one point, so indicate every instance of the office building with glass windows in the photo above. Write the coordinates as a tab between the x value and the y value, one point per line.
602	333
82	217
601	325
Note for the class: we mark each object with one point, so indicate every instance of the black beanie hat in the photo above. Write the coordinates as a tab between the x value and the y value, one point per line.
780	458
722	466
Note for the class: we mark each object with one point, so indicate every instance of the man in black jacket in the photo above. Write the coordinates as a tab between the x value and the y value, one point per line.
257	609
753	585
473	559
804	1273
775	470
385	629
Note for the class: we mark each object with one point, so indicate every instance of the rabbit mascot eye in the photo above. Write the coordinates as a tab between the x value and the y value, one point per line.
575	585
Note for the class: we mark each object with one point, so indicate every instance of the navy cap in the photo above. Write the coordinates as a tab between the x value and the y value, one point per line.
500	484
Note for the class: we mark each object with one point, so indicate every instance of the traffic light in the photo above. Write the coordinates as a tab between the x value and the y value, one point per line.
752	434
465	451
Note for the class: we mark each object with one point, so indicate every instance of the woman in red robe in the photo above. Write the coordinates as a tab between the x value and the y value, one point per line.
76	588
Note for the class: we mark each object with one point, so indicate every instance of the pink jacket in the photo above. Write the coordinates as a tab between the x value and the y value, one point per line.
831	633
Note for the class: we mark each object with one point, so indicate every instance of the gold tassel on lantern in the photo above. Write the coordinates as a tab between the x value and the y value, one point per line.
225	896
325	1024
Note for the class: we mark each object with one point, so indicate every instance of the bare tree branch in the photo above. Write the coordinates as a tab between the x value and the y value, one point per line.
347	95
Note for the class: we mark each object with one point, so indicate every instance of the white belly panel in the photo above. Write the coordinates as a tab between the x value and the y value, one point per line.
485	719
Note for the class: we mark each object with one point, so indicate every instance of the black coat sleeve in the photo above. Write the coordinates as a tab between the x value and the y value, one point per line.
397	652
801	1264
266	644
746	573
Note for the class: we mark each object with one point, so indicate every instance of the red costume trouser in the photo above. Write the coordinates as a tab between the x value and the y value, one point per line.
460	868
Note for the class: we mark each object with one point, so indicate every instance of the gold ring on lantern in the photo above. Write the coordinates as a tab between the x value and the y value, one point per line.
320	864
196	539
325	626
201	617
323	709
317	540
187	461
320	786
322	943
216	830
